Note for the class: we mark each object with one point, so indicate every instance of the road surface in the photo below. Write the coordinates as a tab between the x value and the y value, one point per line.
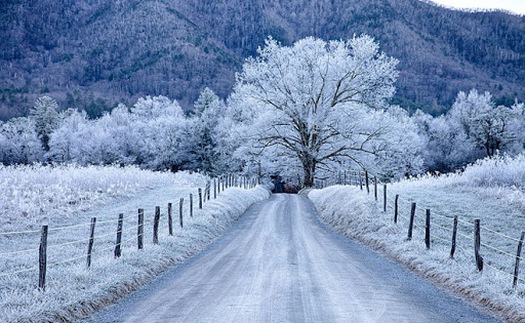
280	264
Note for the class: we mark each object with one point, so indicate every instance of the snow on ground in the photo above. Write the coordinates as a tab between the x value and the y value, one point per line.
66	198
488	191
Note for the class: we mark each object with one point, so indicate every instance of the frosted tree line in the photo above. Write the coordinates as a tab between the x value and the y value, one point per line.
305	111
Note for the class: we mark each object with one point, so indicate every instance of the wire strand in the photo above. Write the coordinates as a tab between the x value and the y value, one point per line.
19	272
18	251
18	232
499	233
498	250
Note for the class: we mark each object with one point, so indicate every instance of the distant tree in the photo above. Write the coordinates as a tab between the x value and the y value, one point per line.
158	124
403	145
202	137
446	147
46	118
120	127
316	101
19	142
488	127
70	142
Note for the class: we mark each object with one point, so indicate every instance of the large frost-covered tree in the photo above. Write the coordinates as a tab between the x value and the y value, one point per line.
316	100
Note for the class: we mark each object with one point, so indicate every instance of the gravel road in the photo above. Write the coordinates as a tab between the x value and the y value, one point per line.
280	264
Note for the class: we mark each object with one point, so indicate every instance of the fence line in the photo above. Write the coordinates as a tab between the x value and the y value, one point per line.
100	242
399	204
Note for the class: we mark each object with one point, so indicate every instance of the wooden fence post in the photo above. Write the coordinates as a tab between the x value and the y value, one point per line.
91	240
181	204
518	257
384	198
396	208
411	224
200	198
140	230
367	182
454	235
191	205
375	188
215	188
427	230
477	245
170	219
42	259
156	221
118	251
360	181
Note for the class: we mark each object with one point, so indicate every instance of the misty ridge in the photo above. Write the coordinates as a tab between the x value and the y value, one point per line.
92	55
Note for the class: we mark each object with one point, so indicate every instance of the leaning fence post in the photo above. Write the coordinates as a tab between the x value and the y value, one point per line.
384	198
454	235
156	221
140	230
427	230
518	257
477	245
118	251
170	219
91	240
411	224
396	208
42	259
181	204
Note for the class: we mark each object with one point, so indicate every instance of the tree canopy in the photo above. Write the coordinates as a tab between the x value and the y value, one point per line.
318	102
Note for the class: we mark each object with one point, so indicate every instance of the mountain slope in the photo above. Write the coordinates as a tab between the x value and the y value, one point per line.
96	53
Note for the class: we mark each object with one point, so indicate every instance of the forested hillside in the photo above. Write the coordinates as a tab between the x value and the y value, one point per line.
93	54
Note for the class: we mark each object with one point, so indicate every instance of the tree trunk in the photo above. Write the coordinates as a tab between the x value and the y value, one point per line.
309	171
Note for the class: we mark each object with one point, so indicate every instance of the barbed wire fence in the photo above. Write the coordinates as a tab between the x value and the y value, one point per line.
497	251
81	243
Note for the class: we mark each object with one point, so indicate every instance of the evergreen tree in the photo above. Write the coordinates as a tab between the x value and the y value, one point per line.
46	118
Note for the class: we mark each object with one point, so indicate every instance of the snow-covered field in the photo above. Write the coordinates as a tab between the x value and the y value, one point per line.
491	190
66	198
